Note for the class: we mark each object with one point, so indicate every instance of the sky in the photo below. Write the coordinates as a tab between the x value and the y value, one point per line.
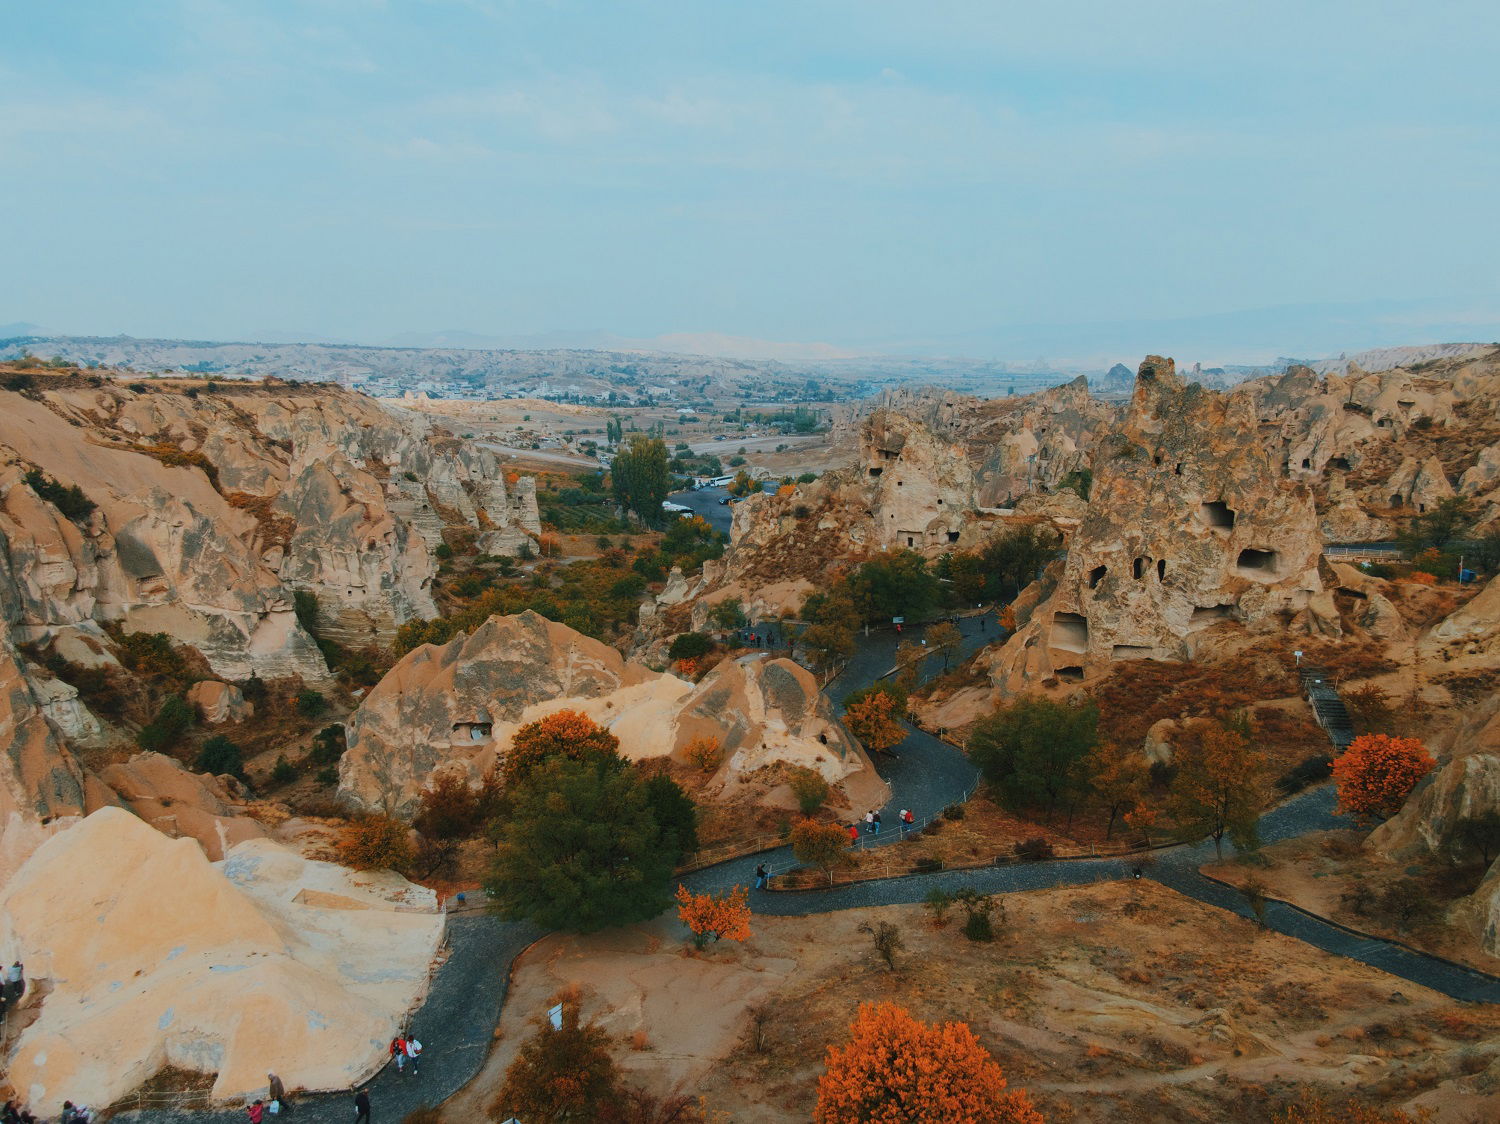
986	179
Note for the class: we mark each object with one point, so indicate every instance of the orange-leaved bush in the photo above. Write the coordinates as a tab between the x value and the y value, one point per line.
719	916
567	733
872	721
1377	772
897	1068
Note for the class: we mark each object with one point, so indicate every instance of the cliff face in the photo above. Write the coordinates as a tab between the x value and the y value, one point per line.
456	707
1379	446
318	490
200	516
1190	523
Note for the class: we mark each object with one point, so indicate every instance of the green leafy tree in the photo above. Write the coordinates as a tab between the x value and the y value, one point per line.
675	813
219	756
1031	750
581	850
728	614
1480	834
1450	519
639	477
689	646
165	730
897	585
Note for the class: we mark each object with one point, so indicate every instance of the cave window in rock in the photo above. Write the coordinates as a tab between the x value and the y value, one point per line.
952	536
1395	501
1071	674
1306	462
1070	632
1218	515
1096	575
1161	569
1138	567
1206	615
900	483
1384	423
1340	463
1258	565
911	541
1156	460
1132	652
473	731
1177	471
876	471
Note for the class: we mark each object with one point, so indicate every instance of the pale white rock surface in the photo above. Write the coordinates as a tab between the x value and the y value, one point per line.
155	957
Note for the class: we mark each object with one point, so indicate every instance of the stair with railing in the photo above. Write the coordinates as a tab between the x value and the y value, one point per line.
1328	707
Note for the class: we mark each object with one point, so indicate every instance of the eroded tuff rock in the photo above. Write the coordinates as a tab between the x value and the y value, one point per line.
182	804
1190	523
936	472
219	702
157	957
311	489
456	707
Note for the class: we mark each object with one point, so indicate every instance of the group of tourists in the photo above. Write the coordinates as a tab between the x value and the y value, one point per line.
14	1113
872	823
12	988
274	1103
405	1048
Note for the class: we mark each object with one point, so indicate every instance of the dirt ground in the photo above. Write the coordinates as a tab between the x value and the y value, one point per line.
1119	1003
1330	874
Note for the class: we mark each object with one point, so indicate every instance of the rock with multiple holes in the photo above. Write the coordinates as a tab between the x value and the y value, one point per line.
1190	524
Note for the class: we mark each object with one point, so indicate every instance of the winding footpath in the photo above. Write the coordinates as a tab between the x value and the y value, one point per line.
456	1024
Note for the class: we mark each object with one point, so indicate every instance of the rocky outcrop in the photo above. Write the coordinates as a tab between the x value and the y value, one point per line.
219	702
1467	786
456	707
181	804
156	957
1190	523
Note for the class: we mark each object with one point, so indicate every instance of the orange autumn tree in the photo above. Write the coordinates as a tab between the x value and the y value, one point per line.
897	1068
1377	772
872	721
567	733
720	916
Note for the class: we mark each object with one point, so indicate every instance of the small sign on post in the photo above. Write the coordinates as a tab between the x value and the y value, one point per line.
898	620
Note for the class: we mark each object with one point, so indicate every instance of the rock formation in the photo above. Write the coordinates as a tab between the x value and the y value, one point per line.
157	957
1190	523
456	707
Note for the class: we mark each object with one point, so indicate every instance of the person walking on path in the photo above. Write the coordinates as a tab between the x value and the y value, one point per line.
876	821
870	821
853	835
762	876
398	1051
276	1094
413	1051
361	1107
901	819
907	820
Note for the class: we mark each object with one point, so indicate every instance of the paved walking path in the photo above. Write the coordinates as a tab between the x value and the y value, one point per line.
456	1024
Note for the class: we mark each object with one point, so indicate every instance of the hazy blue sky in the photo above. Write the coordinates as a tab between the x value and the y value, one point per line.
968	177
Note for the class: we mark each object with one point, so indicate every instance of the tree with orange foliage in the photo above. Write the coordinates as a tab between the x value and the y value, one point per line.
1377	772
720	916
703	751
375	843
1218	788
822	844
872	721
567	733
897	1068
1118	777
